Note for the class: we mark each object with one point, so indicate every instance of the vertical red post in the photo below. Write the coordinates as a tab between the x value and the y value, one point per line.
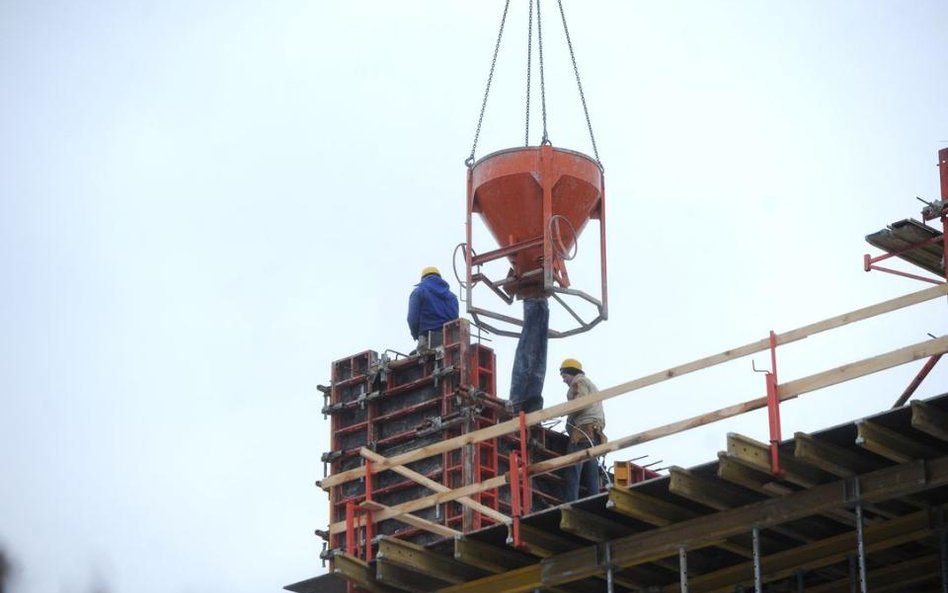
350	528
368	514
515	509
773	408
524	476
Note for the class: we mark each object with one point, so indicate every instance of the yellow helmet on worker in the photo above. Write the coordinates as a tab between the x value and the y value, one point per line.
571	363
429	270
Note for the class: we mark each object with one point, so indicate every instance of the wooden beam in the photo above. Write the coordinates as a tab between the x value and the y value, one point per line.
589	526
889	578
788	390
714	494
400	577
757	455
427	501
490	558
830	458
644	547
930	420
542	543
410	519
359	572
429	483
816	555
656	511
890	444
421	560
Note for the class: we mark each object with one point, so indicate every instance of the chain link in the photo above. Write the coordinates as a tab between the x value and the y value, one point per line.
579	83
546	139
490	77
526	135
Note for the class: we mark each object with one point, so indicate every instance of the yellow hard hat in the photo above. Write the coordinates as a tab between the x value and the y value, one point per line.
571	363
429	270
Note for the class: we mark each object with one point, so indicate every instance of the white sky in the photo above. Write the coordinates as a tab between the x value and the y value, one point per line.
202	205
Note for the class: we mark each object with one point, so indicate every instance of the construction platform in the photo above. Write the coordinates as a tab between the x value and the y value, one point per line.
863	503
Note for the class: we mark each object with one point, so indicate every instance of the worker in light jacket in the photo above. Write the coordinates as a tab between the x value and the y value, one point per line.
430	306
585	428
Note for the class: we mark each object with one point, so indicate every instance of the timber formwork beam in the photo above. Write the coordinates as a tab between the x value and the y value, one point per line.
891	482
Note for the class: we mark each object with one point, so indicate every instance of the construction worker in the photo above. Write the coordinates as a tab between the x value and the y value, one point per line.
529	368
585	428
430	306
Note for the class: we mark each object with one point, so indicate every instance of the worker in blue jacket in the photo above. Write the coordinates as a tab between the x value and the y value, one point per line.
430	306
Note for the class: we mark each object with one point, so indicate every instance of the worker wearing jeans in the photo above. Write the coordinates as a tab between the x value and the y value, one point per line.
585	428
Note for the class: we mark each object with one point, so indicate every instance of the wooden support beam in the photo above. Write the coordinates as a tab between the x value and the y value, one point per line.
589	526
757	455
427	501
830	458
360	573
819	554
437	487
792	389
716	495
495	560
542	543
644	547
930	420
423	561
401	577
656	511
410	519
890	578
890	444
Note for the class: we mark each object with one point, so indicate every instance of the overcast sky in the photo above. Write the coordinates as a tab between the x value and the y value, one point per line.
204	204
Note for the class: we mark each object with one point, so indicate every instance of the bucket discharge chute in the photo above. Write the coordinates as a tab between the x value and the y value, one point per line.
535	202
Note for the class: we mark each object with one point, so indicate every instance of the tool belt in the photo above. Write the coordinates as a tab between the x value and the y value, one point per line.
584	433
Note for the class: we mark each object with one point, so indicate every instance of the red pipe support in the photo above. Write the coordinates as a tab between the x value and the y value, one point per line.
773	408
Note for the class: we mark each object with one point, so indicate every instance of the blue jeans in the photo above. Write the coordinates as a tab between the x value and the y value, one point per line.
529	367
585	474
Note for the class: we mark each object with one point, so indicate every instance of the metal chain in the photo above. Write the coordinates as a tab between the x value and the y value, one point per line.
526	135
490	77
579	83
546	139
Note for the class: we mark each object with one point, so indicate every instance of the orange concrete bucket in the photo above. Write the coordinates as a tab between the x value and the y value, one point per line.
535	201
536	197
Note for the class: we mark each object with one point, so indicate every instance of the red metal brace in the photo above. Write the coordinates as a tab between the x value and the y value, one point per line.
525	458
515	509
350	529
368	513
773	408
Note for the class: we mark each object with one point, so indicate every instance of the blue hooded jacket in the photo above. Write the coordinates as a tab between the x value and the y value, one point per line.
431	305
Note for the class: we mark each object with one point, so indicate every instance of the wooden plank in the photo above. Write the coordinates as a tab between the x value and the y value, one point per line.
930	420
629	551
890	444
542	543
836	375
589	526
420	559
830	458
889	578
437	487
757	455
409	519
819	554
359	573
400	577
656	511
427	501
487	557
713	494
